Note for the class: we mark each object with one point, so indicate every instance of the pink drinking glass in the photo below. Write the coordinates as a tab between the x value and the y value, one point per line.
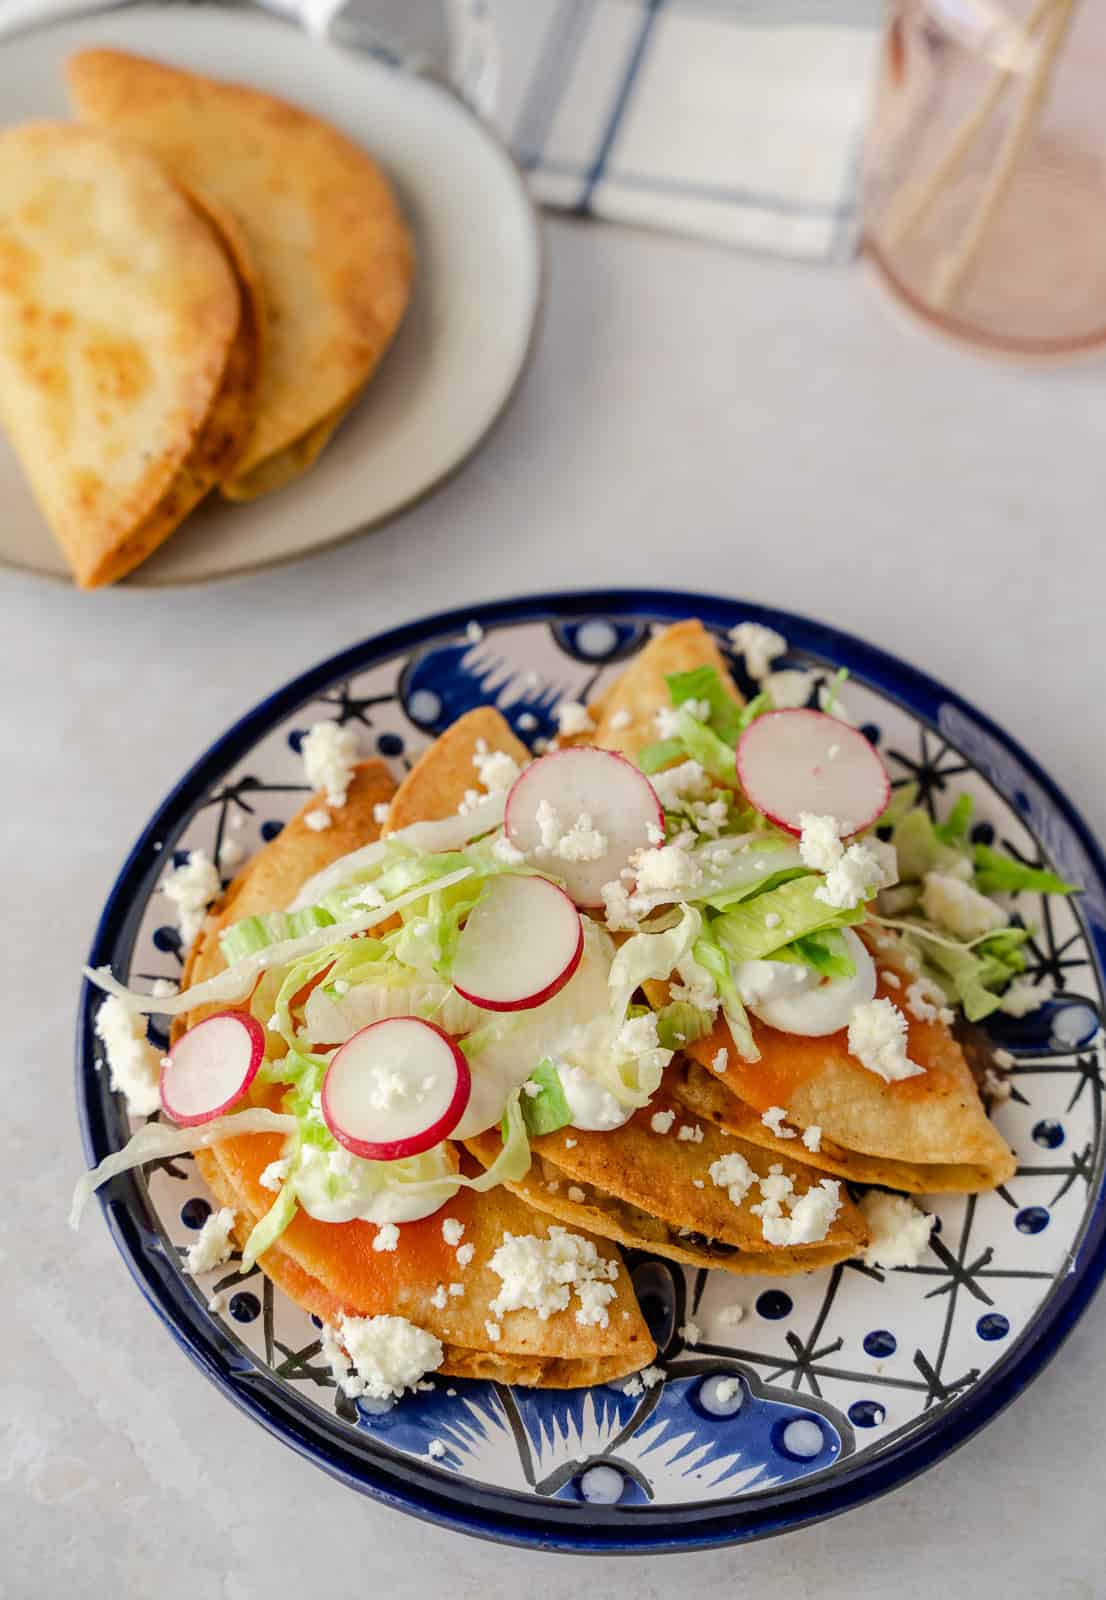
985	182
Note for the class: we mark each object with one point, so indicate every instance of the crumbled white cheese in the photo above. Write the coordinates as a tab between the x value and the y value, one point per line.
811	1216
230	854
666	721
731	1315
495	769
576	1194
734	1174
773	1120
955	905
877	1038
771	919
457	1290
388	1355
549	826
380	812
691	1332
573	718
582	842
436	1449
452	1231
570	1144
1022	997
192	887
473	632
387	1236
726	1389
1004	1059
440	1297
620	719
465	1254
133	1062
899	1231
852	875
162	988
690	1133
329	753
214	1245
527	721
891	979
812	1138
617	911
274	1175
819	842
688	781
759	645
667	869
720	1060
317	819
862	871
506	852
542	1274
661	1121
493	1331
926	1002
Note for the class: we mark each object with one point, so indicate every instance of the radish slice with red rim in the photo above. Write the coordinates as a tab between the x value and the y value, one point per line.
211	1067
789	762
522	942
612	806
395	1089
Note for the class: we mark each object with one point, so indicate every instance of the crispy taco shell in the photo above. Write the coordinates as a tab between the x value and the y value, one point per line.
333	252
129	356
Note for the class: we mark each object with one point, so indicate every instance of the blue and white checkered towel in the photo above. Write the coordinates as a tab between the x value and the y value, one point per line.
736	120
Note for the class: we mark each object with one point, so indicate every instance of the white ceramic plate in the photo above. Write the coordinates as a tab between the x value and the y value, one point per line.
464	342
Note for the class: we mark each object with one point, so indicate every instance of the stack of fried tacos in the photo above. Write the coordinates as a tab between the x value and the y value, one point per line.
655	1094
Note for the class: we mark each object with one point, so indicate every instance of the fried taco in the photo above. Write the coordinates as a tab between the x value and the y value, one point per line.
129	348
334	257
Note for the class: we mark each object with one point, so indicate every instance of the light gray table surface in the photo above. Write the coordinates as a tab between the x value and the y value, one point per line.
692	418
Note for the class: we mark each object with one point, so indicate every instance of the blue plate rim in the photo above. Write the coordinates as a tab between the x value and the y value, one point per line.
448	1499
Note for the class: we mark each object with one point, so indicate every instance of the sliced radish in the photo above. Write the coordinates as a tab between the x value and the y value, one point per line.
395	1089
211	1067
557	793
789	762
521	944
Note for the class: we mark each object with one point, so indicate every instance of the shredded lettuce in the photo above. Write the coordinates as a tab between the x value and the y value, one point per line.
996	873
704	684
681	1023
709	954
954	830
651	955
903	799
547	1110
269	1228
251	934
793	910
825	952
662	754
156	1141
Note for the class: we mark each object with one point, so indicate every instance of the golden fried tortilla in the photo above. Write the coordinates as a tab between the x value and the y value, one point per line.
128	364
330	1268
334	255
652	1190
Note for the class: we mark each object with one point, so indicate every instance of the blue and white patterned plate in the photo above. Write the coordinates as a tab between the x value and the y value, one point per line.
850	1379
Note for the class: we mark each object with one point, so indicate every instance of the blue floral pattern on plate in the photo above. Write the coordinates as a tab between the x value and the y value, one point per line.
842	1381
